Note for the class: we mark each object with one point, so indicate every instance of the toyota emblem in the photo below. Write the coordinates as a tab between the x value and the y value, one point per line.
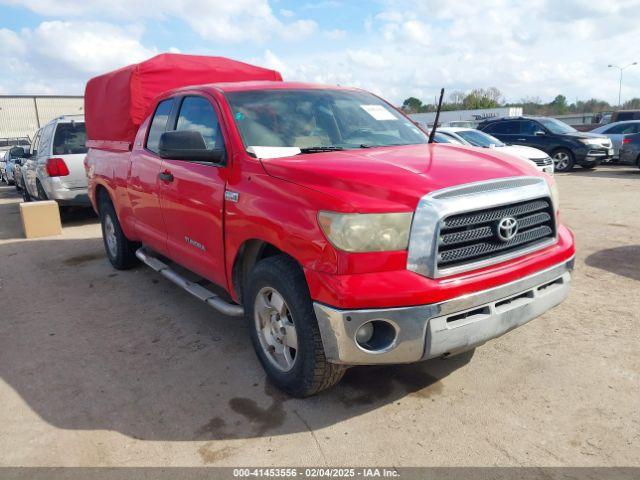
507	228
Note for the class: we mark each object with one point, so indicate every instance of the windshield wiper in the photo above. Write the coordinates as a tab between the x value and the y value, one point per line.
320	149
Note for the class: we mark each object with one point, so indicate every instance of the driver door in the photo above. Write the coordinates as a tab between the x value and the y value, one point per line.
192	195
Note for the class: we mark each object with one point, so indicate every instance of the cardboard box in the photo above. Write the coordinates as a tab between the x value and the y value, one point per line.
40	219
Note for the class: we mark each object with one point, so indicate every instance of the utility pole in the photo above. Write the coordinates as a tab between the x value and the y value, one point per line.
622	69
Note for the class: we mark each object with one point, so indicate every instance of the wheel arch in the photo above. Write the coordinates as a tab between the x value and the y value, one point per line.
250	252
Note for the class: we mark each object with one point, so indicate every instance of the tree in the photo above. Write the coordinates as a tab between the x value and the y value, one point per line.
456	97
559	105
482	98
413	105
633	104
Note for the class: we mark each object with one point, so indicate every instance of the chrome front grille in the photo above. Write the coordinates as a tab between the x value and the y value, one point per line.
454	229
474	236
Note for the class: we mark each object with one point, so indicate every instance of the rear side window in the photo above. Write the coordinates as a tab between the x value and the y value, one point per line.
623	129
70	138
504	128
196	113
528	127
159	124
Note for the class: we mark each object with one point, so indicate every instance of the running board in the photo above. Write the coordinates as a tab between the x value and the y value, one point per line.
194	289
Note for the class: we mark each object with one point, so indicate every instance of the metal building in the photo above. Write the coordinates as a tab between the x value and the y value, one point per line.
22	115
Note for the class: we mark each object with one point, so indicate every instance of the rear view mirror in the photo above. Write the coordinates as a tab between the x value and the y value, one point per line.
540	133
187	145
16	152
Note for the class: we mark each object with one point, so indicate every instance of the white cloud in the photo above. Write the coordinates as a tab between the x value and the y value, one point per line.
58	57
228	21
366	58
399	48
336	34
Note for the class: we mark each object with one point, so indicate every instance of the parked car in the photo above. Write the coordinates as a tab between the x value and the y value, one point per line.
617	131
3	167
18	178
322	212
630	150
460	123
566	146
624	115
443	137
540	159
54	168
8	164
7	142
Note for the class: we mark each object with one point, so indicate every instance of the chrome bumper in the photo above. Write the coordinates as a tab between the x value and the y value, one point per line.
447	328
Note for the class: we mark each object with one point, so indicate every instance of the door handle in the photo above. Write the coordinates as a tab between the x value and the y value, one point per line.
521	139
166	176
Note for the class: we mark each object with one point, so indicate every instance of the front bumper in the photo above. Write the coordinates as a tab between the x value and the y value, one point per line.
446	328
593	155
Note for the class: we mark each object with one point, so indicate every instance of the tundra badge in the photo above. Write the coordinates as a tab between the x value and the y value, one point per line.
195	244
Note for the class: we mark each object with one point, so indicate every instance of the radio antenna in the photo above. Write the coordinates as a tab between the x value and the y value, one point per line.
435	124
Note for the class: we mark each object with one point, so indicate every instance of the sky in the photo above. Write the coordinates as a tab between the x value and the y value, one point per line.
395	48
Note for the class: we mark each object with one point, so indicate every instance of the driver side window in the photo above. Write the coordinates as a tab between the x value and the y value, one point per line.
197	114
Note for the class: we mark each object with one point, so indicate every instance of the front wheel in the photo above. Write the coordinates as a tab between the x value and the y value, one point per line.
563	160
120	250
284	329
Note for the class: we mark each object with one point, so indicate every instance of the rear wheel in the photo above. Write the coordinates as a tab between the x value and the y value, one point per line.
120	250
563	160
42	195
284	329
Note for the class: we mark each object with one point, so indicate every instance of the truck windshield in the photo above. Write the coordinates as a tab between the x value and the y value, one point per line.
70	138
319	120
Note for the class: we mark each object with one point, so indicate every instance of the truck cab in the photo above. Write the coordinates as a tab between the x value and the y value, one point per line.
324	217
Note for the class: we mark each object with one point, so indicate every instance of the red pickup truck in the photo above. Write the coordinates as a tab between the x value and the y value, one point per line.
321	214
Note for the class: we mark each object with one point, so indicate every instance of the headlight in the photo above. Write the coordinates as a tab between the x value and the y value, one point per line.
591	141
376	232
555	196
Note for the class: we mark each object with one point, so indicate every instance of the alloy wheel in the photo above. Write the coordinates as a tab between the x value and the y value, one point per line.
110	236
276	329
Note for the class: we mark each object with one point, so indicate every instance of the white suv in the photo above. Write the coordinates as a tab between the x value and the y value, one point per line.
54	169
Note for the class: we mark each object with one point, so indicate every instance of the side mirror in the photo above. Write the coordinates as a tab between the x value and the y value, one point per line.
187	145
16	152
540	133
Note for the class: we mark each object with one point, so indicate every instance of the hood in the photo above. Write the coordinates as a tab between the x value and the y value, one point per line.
584	135
523	151
388	179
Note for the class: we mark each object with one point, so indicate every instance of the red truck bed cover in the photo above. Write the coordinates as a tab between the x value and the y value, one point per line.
117	102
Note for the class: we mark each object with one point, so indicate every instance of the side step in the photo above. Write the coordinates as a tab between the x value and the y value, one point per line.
194	289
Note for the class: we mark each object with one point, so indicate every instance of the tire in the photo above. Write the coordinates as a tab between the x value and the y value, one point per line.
563	160
25	193
309	372
42	195
121	252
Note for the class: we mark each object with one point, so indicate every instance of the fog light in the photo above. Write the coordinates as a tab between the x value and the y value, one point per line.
376	336
364	333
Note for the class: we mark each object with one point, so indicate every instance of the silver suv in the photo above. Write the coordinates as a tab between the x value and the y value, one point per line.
54	169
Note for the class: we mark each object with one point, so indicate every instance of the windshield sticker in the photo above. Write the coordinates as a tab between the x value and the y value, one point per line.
273	152
378	112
